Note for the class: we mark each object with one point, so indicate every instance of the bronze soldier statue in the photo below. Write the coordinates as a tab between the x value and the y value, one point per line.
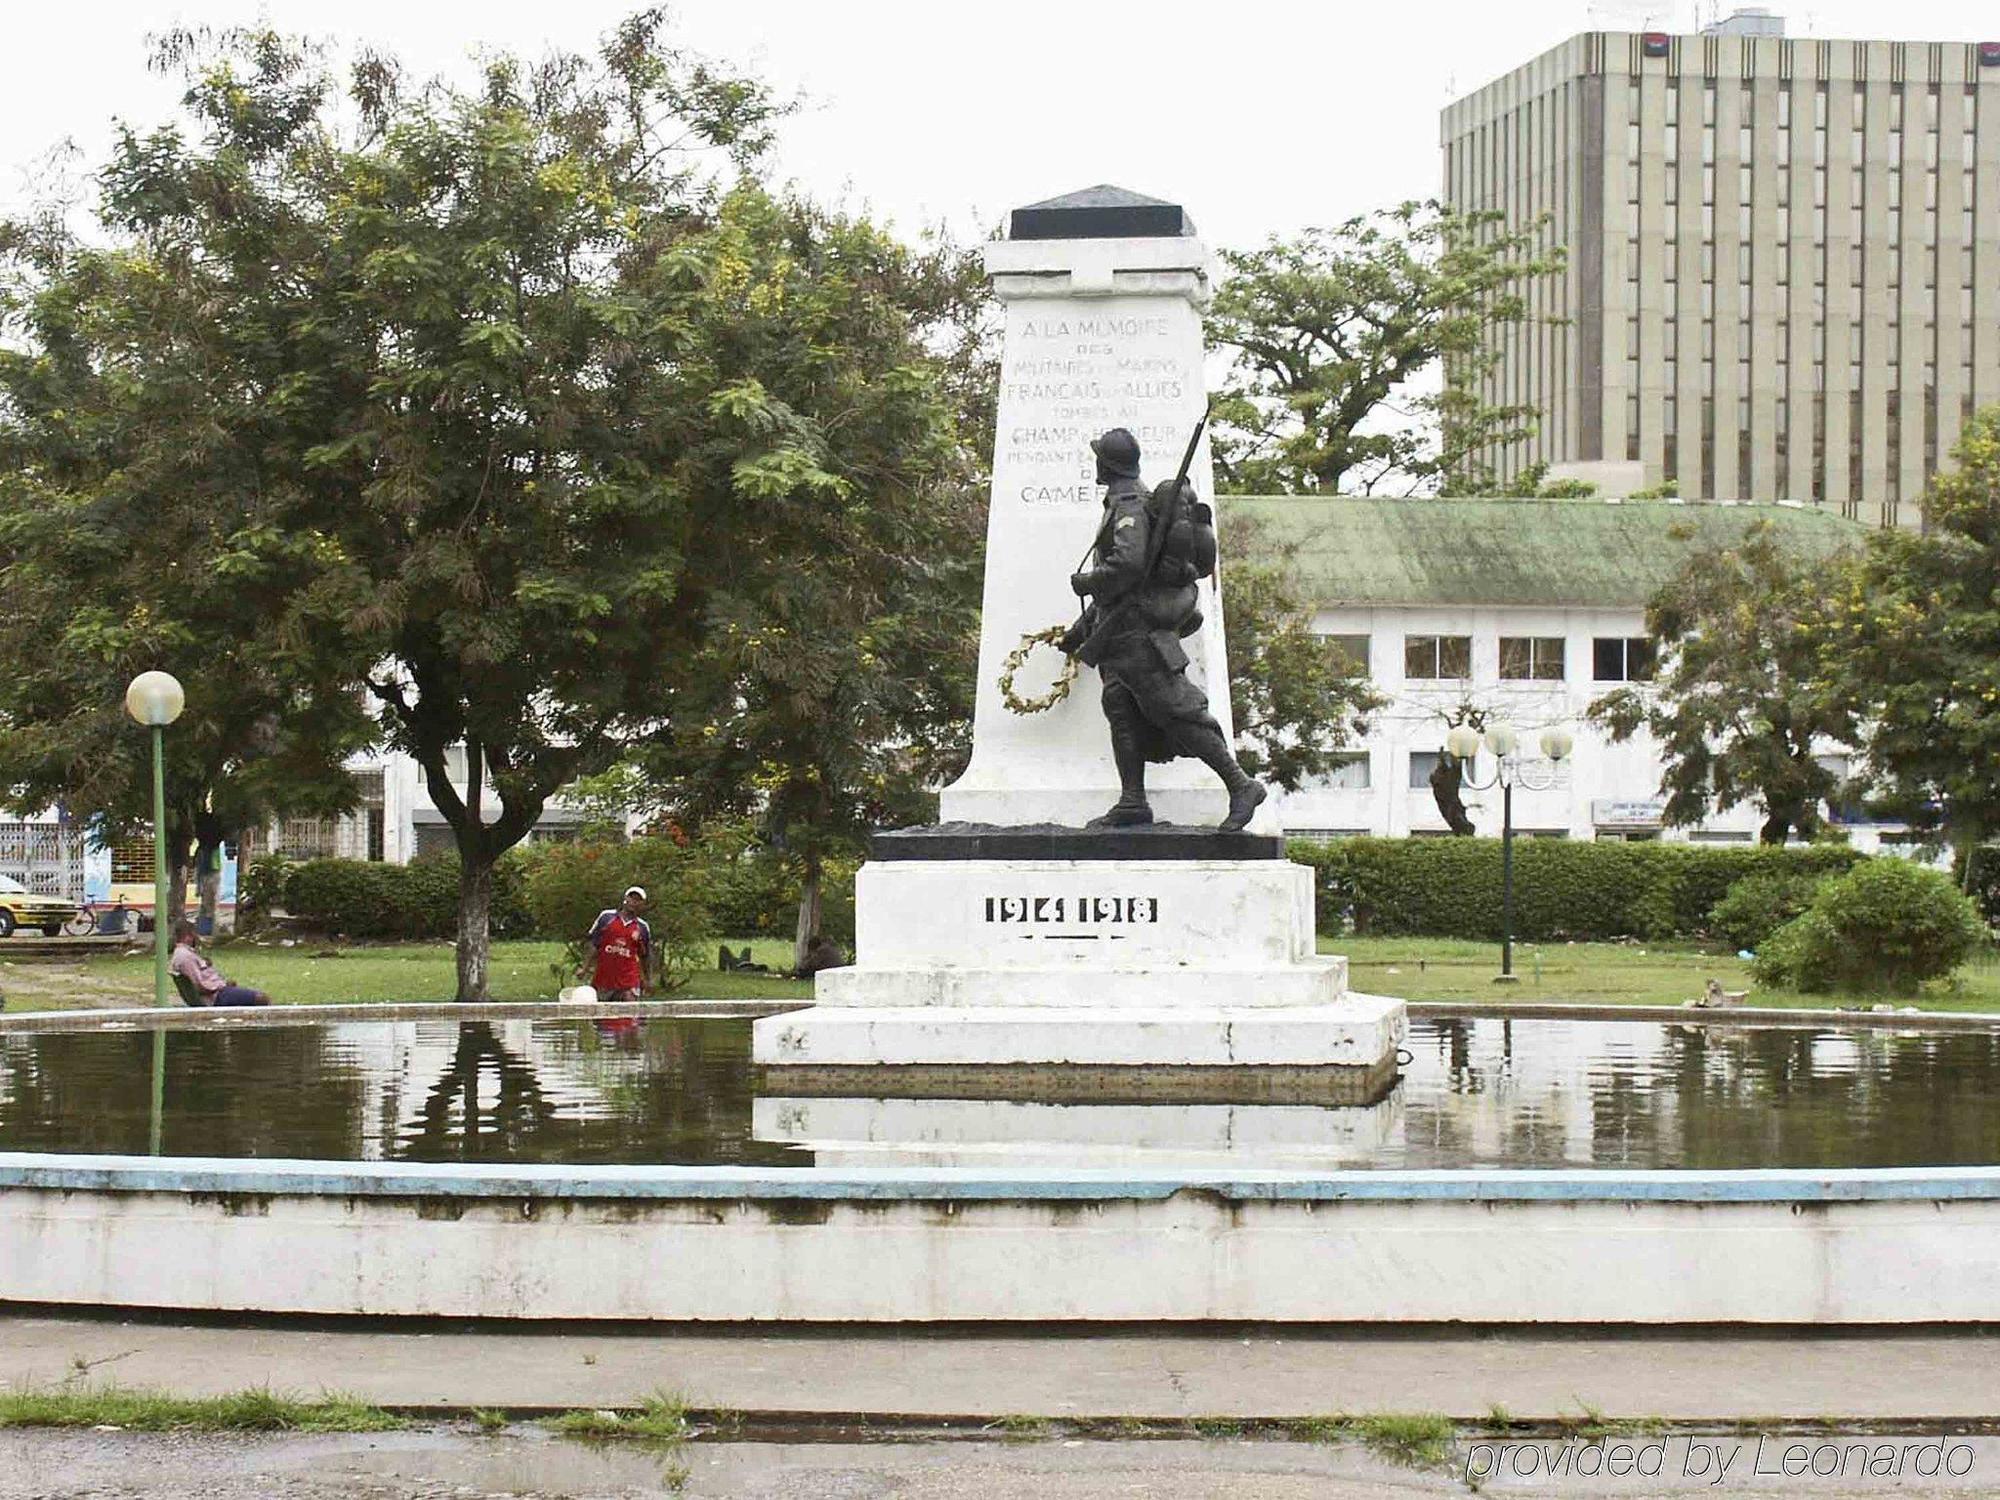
1150	551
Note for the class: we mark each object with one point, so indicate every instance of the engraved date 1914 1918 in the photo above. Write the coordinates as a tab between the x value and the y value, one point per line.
1069	911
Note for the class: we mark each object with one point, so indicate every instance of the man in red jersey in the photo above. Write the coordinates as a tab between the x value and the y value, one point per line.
624	945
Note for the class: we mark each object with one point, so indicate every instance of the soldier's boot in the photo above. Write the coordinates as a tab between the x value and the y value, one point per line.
1131	809
1206	744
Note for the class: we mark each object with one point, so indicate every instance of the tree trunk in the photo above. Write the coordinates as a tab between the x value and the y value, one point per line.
178	873
209	886
1447	776
1777	828
208	841
475	910
809	900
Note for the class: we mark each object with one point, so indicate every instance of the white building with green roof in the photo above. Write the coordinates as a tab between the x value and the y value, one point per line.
1528	609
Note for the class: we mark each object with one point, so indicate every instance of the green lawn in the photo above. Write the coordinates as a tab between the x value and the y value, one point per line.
1414	968
327	974
1603	974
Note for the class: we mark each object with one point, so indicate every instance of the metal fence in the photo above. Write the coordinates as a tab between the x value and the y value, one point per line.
47	858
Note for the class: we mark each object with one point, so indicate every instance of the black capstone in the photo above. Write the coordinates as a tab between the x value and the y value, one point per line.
1100	213
1055	841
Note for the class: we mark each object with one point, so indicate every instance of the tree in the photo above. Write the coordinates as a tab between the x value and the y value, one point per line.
835	689
137	500
1740	706
521	337
1914	652
1330	329
1297	703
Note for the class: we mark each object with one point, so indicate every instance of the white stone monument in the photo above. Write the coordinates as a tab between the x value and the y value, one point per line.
1099	333
997	956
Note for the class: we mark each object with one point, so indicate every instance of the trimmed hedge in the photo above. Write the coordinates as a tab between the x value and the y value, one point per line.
747	890
370	899
1563	889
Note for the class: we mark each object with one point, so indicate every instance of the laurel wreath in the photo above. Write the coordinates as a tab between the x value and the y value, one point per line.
1018	658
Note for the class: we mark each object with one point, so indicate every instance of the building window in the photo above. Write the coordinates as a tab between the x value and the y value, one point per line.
1348	653
1531	658
1622	658
1422	763
1437	656
1348	773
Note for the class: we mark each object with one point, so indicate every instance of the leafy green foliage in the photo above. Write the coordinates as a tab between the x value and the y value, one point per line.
835	683
1740	706
1914	653
534	413
141	408
1756	906
1562	888
752	889
569	883
1531	482
1978	874
1886	925
1327	328
370	899
1296	703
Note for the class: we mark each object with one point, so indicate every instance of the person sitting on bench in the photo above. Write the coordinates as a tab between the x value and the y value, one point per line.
197	979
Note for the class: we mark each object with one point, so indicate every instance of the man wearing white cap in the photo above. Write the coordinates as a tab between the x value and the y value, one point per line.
624	945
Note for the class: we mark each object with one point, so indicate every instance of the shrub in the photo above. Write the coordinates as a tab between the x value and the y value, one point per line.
568	884
368	899
1756	906
1451	887
260	886
753	889
1887	925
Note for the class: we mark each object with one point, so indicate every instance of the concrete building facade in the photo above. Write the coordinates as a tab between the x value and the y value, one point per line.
1528	611
1783	276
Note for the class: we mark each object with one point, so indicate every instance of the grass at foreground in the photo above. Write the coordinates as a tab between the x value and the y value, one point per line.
317	973
1607	974
151	1411
662	1421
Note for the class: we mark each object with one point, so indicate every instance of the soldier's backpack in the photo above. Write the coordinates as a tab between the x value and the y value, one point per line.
1188	550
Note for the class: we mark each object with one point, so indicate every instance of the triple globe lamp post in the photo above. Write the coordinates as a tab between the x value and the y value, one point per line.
1503	740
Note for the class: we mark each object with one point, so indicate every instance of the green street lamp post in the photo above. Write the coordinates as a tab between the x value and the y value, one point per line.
1462	743
155	699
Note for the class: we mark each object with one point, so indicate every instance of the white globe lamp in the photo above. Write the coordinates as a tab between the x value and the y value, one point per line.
155	699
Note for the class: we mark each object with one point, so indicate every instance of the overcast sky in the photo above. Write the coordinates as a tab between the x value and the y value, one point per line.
1261	116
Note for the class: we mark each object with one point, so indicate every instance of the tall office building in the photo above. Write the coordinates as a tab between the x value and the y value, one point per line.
1784	256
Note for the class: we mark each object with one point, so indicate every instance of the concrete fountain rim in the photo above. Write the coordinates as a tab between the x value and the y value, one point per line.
694	1007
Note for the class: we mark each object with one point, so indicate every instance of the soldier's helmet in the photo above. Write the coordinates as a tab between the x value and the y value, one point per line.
1118	452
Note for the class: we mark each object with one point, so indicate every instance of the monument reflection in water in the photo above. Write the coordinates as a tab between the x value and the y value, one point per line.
1477	1093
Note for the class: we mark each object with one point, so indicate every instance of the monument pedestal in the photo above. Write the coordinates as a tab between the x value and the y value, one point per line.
1094	975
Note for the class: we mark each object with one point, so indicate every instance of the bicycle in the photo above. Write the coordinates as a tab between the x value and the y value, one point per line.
116	920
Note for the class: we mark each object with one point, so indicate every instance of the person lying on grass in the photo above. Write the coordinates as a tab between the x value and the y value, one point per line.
197	978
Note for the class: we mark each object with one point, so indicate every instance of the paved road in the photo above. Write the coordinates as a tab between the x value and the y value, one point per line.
445	1465
1146	1373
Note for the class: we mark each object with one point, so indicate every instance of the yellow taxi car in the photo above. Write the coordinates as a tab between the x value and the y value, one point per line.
21	907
